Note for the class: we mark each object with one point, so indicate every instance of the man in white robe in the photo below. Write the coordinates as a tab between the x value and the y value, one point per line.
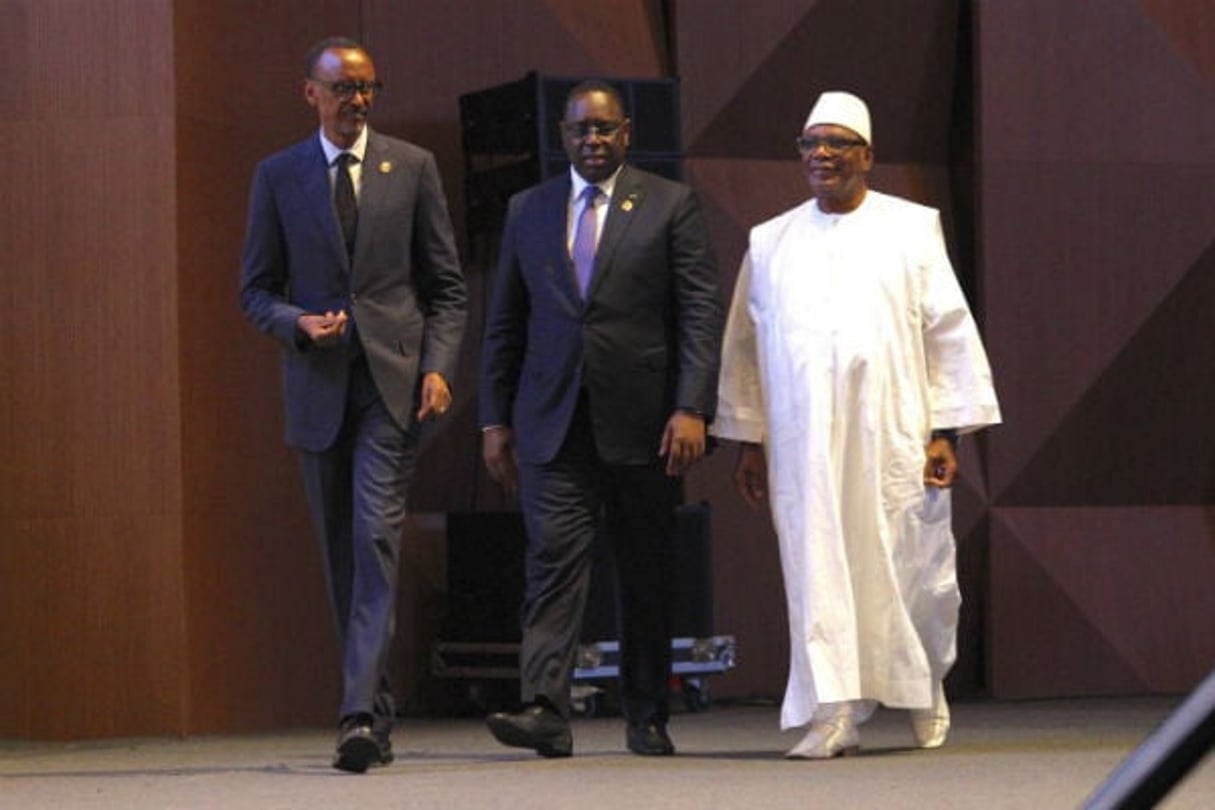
851	364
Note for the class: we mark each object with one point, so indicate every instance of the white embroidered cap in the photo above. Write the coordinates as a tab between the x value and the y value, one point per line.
842	109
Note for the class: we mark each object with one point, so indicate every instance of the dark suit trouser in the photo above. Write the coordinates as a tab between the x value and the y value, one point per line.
356	492
564	503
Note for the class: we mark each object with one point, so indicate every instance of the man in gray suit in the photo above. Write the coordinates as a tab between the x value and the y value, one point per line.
350	264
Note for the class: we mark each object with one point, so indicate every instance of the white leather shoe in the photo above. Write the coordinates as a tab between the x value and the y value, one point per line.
931	726
836	737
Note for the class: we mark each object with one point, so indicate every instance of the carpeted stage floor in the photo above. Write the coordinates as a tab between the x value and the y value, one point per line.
1036	755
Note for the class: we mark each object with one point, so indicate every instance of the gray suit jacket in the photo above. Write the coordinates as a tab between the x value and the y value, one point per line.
404	289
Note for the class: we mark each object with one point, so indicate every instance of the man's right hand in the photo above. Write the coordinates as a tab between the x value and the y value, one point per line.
324	330
498	452
751	474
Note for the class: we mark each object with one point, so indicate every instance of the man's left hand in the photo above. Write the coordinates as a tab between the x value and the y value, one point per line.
941	465
683	441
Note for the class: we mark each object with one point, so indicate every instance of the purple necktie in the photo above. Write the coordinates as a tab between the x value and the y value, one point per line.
584	238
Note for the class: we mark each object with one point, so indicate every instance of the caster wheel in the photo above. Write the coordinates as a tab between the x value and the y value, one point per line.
696	697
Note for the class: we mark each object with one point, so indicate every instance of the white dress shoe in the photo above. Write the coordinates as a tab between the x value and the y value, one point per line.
836	737
931	726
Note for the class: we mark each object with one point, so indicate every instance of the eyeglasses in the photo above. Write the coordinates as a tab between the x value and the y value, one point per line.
581	130
807	144
345	90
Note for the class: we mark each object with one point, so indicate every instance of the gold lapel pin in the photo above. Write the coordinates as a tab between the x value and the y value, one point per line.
626	206
386	167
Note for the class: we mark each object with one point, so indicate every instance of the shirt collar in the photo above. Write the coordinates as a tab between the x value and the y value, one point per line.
358	149
577	184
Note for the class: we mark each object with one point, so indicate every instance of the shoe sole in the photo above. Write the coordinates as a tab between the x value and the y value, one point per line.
357	755
653	752
507	734
557	751
850	751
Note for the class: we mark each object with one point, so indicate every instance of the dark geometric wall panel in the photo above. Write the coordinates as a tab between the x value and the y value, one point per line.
773	63
1097	233
1157	397
1101	600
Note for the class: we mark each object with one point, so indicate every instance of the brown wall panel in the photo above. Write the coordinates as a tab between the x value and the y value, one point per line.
89	520
100	635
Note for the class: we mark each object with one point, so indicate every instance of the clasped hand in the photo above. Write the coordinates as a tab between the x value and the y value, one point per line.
324	330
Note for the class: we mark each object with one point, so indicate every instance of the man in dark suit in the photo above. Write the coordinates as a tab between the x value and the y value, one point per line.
598	377
349	262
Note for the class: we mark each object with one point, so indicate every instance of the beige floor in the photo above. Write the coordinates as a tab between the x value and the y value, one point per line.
1034	755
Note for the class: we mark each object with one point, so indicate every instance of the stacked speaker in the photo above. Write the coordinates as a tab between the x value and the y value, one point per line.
485	552
512	140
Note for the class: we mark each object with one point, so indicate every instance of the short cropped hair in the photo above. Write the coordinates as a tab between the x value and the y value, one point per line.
594	86
337	43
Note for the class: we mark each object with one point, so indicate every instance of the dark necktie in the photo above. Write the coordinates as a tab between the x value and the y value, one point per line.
584	238
344	201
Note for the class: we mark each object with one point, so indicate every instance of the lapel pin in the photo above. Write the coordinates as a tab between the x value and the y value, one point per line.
626	206
385	167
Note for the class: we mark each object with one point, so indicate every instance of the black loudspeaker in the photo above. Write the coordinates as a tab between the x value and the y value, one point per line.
512	140
1159	763
693	611
485	554
484	577
694	558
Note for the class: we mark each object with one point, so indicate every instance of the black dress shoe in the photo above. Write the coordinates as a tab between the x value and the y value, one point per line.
358	748
386	756
536	727
650	740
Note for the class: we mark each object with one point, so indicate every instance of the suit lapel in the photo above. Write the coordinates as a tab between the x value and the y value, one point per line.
627	199
377	169
553	221
316	195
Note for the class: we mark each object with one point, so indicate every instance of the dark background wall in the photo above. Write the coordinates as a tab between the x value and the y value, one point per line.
157	572
1097	227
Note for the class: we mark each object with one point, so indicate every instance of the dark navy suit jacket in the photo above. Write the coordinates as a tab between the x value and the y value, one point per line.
404	289
645	341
